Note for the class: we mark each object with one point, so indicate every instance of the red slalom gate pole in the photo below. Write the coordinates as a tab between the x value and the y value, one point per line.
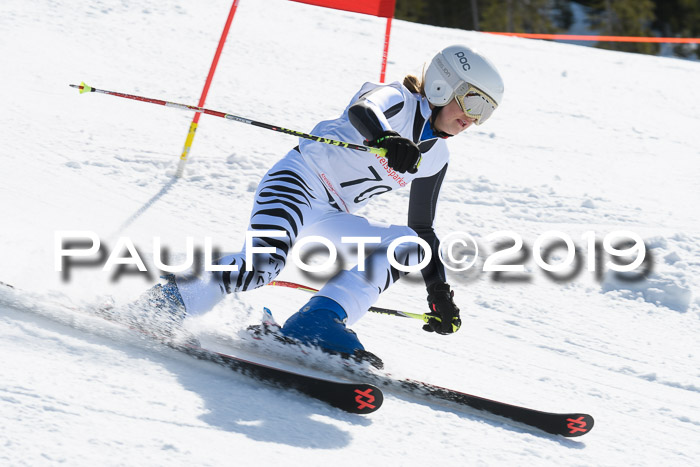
205	91
385	56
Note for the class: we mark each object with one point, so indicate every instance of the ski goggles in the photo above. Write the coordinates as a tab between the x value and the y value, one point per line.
476	104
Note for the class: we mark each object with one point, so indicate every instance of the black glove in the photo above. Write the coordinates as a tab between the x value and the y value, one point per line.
402	154
443	308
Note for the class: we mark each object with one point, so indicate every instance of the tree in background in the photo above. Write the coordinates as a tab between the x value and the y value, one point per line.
562	14
534	16
679	18
624	18
450	13
538	16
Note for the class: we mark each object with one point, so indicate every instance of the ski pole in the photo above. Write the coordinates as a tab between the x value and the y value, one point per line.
374	309
358	147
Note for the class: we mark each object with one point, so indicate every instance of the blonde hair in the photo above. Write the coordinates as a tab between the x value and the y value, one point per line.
414	84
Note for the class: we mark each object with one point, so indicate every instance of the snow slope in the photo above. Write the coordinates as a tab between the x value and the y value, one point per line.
586	140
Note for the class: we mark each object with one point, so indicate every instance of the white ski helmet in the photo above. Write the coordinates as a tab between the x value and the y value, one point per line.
454	69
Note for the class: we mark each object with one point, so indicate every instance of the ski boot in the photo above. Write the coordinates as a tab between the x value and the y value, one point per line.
321	322
160	312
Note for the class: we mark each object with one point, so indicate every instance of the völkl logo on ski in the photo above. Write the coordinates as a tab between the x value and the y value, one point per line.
361	402
576	425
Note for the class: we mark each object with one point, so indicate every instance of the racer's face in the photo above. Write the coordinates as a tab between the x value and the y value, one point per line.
452	119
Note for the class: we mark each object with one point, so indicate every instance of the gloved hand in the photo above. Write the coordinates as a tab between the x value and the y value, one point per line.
443	308
402	154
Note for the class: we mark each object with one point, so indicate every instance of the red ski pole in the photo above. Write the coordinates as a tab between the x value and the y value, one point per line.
358	147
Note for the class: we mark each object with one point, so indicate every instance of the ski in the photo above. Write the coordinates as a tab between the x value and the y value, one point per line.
367	397
565	424
357	398
569	425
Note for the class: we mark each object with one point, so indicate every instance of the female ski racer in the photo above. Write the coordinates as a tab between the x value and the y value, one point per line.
316	188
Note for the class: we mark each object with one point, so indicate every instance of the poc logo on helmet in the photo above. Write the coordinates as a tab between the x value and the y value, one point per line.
463	60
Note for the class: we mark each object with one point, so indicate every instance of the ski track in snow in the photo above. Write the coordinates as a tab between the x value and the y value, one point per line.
586	140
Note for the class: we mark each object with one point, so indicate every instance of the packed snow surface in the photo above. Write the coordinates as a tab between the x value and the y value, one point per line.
585	140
